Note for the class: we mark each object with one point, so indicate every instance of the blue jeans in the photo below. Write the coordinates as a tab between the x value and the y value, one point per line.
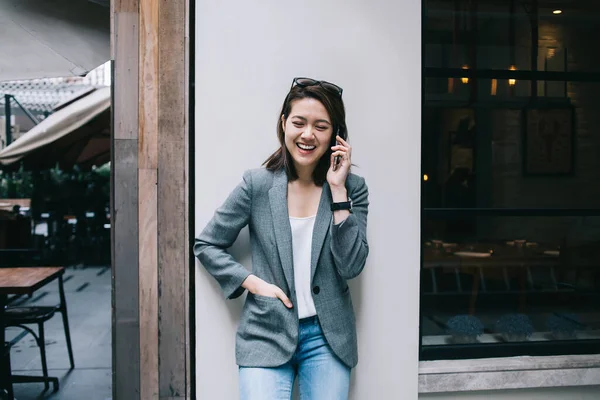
321	375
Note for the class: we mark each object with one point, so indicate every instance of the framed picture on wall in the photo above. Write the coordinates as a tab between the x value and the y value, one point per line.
549	141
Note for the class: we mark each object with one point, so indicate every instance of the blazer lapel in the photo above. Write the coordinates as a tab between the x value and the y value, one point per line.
281	225
322	223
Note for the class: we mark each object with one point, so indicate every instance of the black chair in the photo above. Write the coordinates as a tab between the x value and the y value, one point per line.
17	316
6	384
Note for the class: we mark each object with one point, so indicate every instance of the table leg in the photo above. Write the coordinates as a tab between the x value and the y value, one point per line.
5	373
474	293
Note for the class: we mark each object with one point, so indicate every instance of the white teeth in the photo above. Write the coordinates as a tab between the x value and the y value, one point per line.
305	147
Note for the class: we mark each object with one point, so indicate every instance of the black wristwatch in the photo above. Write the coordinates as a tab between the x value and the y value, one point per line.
344	205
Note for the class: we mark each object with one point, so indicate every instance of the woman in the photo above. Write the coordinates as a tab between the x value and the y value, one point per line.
307	216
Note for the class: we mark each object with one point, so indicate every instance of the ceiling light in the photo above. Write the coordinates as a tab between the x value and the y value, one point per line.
512	82
464	79
557	12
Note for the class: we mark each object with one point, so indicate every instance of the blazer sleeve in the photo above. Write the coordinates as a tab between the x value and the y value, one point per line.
220	234
349	238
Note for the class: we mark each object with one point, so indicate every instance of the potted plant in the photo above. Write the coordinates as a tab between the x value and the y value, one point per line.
464	328
514	327
563	325
16	185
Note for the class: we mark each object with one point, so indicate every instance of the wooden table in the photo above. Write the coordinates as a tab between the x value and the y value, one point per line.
501	263
20	281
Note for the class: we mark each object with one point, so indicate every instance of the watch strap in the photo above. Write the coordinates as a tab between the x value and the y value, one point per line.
344	205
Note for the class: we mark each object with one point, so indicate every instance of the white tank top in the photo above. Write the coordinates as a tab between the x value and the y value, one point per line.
302	231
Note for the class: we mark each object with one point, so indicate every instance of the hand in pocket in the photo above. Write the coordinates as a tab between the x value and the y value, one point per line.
259	287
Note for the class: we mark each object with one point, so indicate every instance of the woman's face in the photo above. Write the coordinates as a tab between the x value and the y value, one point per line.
308	131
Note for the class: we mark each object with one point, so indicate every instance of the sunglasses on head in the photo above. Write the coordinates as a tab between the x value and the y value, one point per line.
304	82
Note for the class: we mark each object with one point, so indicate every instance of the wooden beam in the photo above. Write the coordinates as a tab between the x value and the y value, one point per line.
125	48
172	200
151	57
148	81
124	199
171	80
148	198
173	325
148	286
124	232
189	266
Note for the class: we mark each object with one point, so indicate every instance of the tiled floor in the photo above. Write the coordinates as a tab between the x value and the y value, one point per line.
88	294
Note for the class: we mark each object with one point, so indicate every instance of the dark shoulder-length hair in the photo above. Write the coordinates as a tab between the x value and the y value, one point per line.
334	105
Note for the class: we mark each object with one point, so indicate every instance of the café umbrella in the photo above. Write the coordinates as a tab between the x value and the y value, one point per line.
76	134
59	38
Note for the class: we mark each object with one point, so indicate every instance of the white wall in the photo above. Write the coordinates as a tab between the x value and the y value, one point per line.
246	56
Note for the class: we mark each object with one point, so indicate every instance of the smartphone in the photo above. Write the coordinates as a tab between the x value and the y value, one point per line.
336	159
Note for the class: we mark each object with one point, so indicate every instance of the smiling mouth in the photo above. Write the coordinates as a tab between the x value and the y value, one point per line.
305	148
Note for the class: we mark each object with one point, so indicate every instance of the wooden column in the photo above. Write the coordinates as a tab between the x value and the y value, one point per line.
150	217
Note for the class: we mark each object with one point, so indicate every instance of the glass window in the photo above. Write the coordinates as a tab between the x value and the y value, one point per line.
510	179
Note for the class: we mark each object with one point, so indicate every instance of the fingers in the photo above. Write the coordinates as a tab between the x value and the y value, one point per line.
284	299
342	145
344	155
342	141
341	153
333	165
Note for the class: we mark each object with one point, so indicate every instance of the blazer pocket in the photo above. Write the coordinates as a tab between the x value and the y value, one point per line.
258	297
263	317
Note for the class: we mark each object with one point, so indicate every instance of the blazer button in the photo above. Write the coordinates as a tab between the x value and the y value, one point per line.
316	290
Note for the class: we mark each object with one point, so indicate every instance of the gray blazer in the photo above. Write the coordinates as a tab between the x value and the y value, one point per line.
268	331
